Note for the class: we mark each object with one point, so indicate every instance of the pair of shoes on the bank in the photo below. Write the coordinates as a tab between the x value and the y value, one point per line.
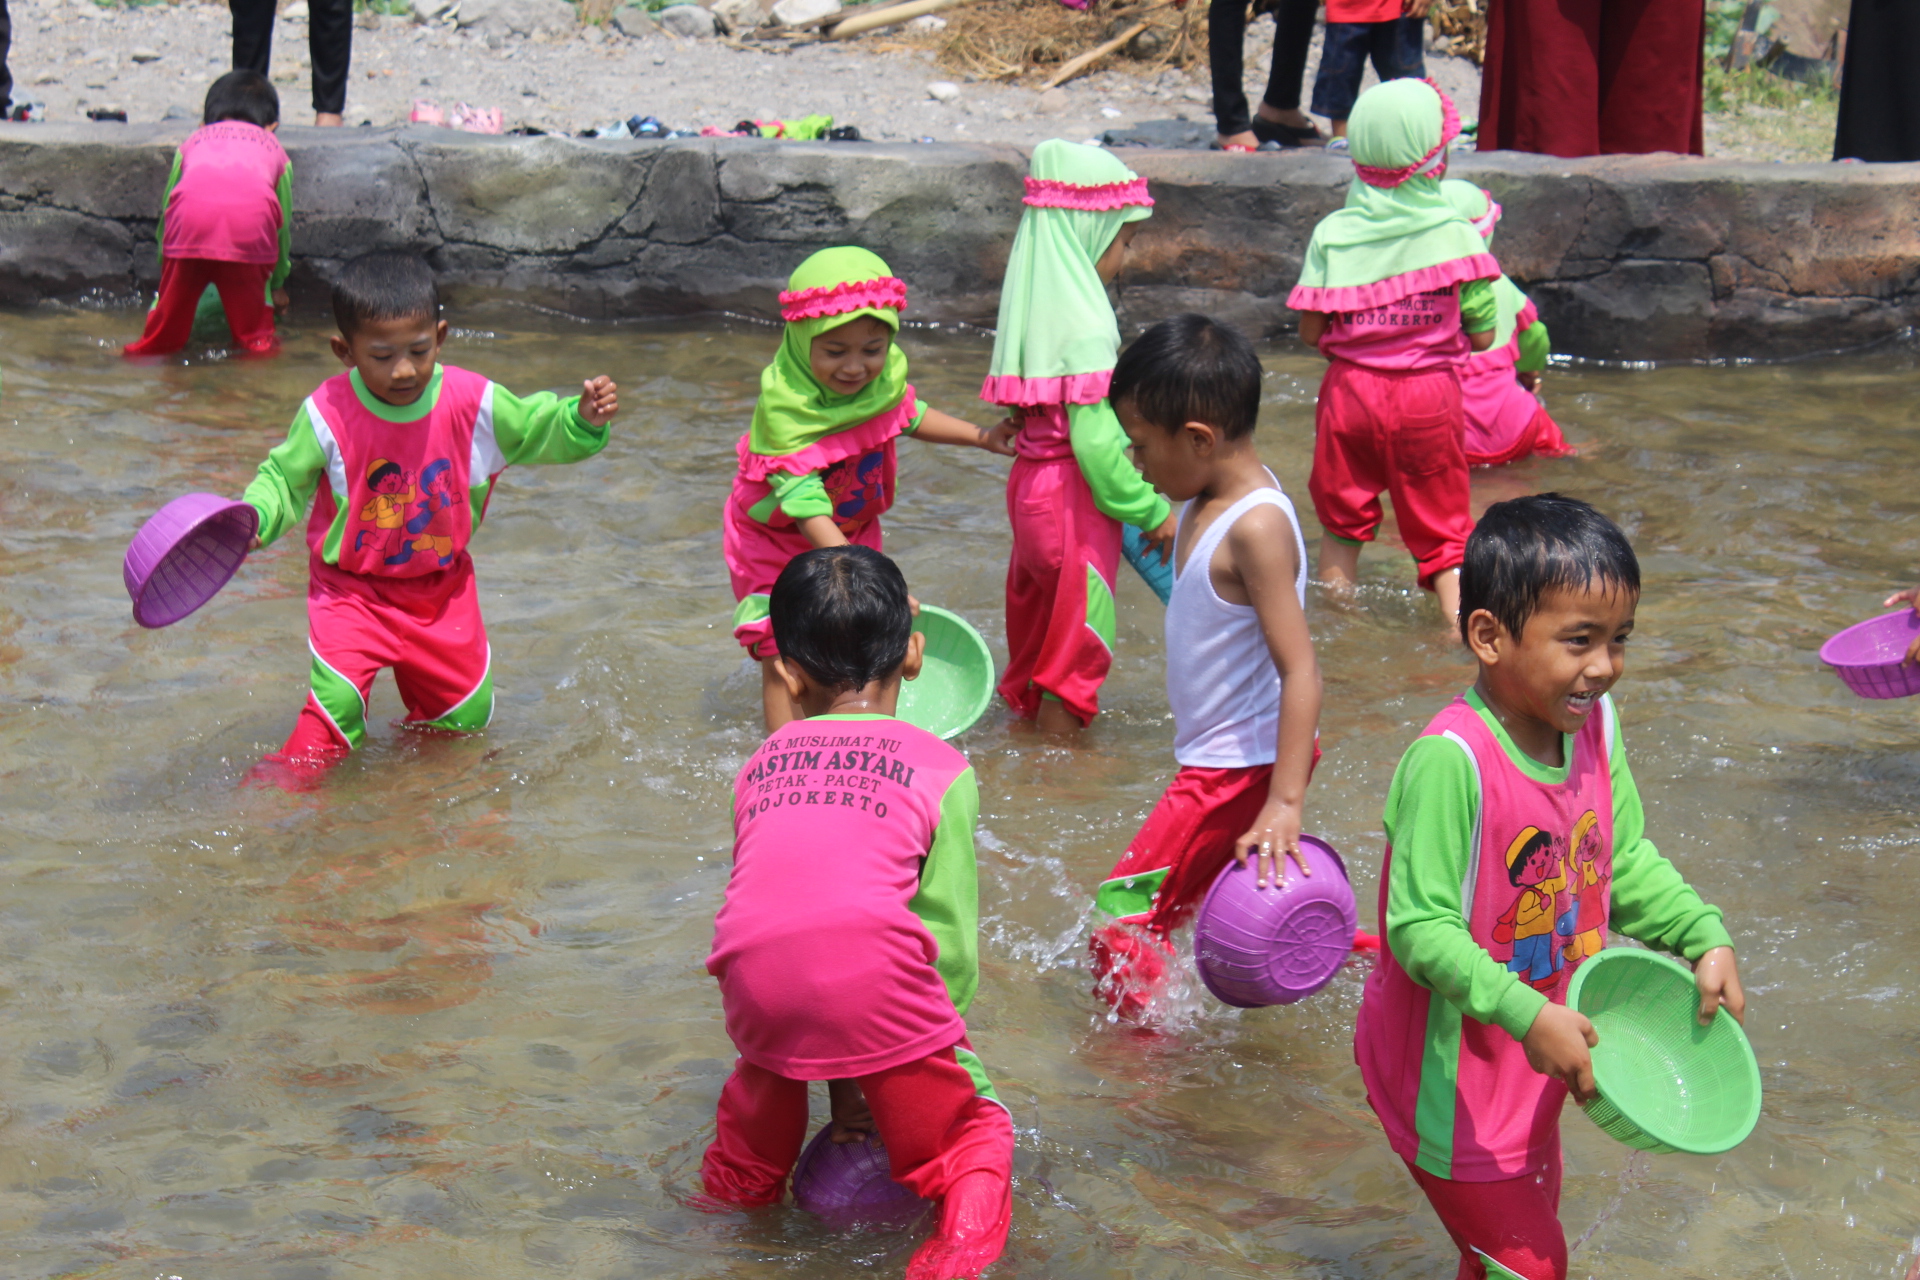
465	118
1286	135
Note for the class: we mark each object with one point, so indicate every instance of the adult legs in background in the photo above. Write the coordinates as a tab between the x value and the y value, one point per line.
1879	101
6	76
1651	71
252	35
330	46
1280	105
1540	85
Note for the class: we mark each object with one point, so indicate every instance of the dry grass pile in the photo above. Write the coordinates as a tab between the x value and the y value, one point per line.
1009	39
1462	24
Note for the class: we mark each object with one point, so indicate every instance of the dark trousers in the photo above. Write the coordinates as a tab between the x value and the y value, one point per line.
329	45
6	76
1226	52
1395	48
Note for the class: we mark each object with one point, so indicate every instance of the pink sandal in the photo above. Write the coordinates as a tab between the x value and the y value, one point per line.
425	112
478	119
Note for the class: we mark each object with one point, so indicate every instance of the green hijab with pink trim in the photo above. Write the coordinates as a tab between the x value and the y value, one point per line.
1397	234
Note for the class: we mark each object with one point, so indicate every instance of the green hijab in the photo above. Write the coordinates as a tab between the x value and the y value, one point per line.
1397	234
824	292
1057	339
1480	208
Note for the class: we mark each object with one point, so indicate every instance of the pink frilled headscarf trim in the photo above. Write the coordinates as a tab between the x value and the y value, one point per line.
887	292
1487	221
1381	293
1009	391
1436	158
1528	317
1046	193
829	449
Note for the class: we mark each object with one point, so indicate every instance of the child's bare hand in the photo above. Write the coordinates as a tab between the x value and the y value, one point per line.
1560	1044
280	300
852	1118
999	437
1718	978
1531	381
1910	596
599	400
1275	834
1161	539
1417	8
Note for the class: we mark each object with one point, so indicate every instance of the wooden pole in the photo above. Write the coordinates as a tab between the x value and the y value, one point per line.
839	28
1075	66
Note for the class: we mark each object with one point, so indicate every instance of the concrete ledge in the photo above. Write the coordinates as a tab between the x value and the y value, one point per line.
1647	257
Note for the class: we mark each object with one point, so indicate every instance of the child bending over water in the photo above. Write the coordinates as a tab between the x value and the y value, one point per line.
1241	674
1515	839
817	465
1072	487
848	947
1395	290
398	457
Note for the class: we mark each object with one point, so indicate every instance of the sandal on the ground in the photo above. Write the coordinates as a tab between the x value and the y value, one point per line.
1338	145
1233	146
1287	135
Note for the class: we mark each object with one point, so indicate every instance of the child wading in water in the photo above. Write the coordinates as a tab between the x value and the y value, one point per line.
817	465
1505	420
1515	839
868	821
1241	674
402	453
1072	486
1395	290
225	220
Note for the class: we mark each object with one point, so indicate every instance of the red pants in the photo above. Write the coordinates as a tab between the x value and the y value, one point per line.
428	629
1516	1222
1592	77
945	1143
1380	430
1060	616
243	294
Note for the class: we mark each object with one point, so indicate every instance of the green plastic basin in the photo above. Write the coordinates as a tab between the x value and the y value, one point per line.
1666	1082
956	680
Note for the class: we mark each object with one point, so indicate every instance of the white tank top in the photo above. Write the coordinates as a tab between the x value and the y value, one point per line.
1221	681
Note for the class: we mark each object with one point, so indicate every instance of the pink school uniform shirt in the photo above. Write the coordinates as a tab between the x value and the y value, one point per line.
223	203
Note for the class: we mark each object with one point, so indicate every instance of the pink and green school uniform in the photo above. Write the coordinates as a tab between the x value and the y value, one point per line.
809	451
1505	421
848	949
226	222
1071	486
1502	876
396	493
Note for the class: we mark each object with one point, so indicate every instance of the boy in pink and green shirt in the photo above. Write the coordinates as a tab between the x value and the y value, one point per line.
1516	839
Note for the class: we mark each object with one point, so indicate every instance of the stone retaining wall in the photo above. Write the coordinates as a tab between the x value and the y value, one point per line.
1628	257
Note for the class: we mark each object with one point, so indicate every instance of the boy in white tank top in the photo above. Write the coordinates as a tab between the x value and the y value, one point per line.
1241	674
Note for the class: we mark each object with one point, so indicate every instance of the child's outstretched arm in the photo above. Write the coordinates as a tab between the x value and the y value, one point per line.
1119	490
1267	563
283	486
546	428
943	428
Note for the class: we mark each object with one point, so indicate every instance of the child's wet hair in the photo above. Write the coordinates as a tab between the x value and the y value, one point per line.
388	285
1191	368
246	96
841	615
1525	547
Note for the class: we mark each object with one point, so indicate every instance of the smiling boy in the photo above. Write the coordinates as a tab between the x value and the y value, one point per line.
353	451
1464	1040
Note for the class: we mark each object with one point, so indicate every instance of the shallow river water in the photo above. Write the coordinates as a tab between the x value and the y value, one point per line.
446	1016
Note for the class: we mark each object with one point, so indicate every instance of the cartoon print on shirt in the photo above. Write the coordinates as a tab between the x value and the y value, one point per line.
854	485
430	530
1589	875
1534	867
393	490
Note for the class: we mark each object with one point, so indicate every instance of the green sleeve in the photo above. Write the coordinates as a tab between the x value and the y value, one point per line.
1651	902
543	428
285	263
1479	311
166	198
801	497
1430	820
1535	347
948	902
920	408
1100	447
284	485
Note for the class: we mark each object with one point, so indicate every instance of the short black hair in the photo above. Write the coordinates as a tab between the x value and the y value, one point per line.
841	614
246	96
387	285
1525	547
1191	369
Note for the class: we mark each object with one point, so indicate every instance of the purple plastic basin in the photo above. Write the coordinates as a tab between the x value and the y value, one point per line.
1257	947
851	1184
1871	656
184	554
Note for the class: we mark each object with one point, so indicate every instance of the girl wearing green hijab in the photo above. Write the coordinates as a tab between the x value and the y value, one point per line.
1395	291
1072	485
817	465
1505	422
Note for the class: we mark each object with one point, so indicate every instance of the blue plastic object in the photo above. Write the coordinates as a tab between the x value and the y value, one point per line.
1158	574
